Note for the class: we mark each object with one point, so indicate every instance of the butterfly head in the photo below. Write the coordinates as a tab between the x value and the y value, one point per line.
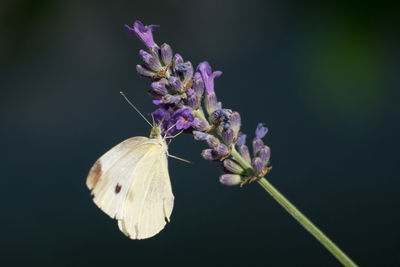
155	132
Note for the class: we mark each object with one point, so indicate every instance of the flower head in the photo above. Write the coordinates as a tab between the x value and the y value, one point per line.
208	76
261	131
183	118
144	33
180	95
162	117
241	139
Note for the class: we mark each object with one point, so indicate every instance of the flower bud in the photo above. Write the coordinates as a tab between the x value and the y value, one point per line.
177	60
258	144
227	136
166	54
232	166
265	154
230	179
257	165
192	99
235	122
210	102
226	124
212	141
208	154
170	99
200	124
241	139
200	136
244	152
143	71
159	87
151	62
185	71
157	102
175	84
221	115
261	131
221	150
198	84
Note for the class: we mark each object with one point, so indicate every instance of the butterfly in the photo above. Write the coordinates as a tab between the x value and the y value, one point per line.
131	183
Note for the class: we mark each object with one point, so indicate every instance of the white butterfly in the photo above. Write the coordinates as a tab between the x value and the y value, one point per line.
131	183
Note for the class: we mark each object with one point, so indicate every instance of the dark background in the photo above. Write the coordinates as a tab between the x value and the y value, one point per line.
324	79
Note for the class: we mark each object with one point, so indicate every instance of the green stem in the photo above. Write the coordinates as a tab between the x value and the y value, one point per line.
306	223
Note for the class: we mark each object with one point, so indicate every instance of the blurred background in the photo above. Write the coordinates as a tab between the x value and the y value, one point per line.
323	77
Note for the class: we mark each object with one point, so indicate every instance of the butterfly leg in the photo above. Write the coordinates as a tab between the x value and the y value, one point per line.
178	158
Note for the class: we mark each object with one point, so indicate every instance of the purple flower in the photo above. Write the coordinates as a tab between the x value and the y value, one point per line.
232	166
210	102
170	99
200	124
257	165
227	136
265	154
185	70
198	135
212	141
144	33
235	122
241	139
183	119
221	150
198	84
221	115
244	152
258	144
158	102
208	154
159	87
177	60
166	54
143	71
175	84
192	99
208	76
261	131
151	62
162	117
181	94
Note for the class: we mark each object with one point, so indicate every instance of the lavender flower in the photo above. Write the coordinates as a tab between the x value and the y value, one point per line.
166	54
178	94
181	94
261	131
182	118
144	33
208	76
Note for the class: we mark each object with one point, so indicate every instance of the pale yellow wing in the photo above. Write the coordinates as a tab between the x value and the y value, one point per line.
150	200
111	176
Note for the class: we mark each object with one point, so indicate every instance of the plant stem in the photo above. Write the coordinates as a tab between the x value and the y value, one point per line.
306	223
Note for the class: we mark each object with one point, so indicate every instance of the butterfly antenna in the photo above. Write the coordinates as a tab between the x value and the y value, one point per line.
137	110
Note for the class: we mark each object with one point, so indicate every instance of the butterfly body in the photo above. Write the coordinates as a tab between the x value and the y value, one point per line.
131	183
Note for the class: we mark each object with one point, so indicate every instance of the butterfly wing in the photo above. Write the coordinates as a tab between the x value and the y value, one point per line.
131	183
110	177
150	200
